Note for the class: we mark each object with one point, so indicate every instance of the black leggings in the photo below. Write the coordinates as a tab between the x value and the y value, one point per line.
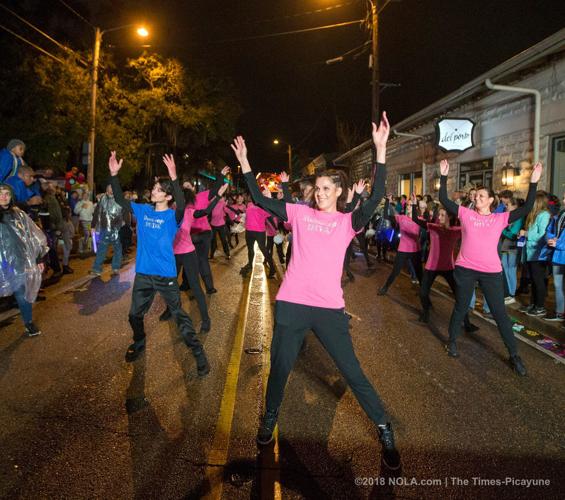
189	263
202	244
539	286
258	236
331	326
428	279
280	250
144	289
400	260
222	231
493	290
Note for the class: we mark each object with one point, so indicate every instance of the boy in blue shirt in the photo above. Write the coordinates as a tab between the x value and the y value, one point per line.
155	267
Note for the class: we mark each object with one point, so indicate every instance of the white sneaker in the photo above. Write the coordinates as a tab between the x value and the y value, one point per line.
509	300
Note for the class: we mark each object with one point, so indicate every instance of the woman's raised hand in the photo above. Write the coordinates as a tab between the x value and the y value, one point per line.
114	164
240	150
359	186
536	172
444	167
284	177
380	134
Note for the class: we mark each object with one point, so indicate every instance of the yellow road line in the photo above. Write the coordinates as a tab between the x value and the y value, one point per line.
269	459
218	454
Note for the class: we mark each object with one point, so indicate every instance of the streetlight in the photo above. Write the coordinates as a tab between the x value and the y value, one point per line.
276	142
98	33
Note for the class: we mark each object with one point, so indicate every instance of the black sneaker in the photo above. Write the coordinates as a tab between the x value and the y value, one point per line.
382	291
470	328
31	330
451	349
391	457
135	350
267	427
526	309
555	317
166	315
67	270
518	365
202	365
205	326
538	312
211	291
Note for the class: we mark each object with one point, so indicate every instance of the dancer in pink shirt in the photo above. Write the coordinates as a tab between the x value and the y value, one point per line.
478	259
310	297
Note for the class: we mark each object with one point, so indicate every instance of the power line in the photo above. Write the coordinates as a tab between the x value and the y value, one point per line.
302	14
32	44
284	33
77	14
50	38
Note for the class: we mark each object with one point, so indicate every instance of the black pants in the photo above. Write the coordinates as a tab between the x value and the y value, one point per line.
382	247
537	270
331	326
52	256
428	279
125	235
202	244
257	236
493	290
400	260
144	289
222	232
189	263
280	251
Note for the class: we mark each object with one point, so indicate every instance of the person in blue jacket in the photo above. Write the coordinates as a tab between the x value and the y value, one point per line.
555	253
11	159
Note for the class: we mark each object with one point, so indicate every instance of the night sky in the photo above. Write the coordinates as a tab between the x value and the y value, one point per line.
430	47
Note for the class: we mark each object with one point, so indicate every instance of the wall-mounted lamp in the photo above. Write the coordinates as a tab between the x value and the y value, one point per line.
509	172
436	180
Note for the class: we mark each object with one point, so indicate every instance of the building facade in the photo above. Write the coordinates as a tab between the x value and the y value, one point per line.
503	151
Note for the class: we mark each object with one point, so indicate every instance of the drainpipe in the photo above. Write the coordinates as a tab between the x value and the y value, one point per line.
421	137
537	111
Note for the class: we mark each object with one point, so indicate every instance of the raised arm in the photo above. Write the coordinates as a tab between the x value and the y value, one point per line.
218	183
531	198
361	216
208	210
358	188
274	207
114	165
178	195
450	205
415	218
287	197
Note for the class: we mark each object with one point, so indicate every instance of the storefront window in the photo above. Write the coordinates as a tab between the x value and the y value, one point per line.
410	183
476	173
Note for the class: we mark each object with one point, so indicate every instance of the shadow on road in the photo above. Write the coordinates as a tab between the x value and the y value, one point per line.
97	293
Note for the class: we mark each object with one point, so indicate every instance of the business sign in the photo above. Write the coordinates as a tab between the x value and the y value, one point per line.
455	134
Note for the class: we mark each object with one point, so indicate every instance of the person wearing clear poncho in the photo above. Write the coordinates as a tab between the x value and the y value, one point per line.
108	218
22	245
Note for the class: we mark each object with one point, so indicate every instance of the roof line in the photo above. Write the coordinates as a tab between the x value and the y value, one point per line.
547	46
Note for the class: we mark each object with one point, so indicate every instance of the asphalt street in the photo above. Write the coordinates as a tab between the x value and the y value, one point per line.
80	422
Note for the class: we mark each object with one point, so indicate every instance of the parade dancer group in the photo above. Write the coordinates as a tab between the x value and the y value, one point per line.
174	234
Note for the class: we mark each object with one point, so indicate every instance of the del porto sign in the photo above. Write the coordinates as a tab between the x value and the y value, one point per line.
455	134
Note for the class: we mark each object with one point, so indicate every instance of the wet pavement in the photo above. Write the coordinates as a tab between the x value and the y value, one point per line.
80	422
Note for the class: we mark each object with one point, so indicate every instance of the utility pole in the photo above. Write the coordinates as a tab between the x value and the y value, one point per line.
94	88
375	77
290	162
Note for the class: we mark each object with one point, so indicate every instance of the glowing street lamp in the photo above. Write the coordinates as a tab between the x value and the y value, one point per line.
276	142
98	33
